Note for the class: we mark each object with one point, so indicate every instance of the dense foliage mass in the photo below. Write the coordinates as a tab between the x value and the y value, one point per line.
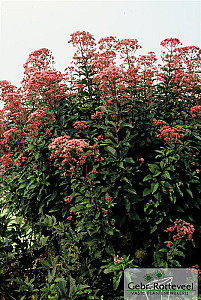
100	168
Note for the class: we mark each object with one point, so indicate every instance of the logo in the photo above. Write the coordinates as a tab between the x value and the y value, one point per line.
160	284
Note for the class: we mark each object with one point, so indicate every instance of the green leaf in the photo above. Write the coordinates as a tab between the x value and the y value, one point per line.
127	204
190	193
109	230
153	168
134	216
153	229
111	151
116	280
163	250
159	220
154	187
148	177
157	173
73	288
146	192
129	160
110	250
131	191
166	175
180	253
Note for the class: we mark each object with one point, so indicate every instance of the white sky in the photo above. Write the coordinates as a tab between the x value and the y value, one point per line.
30	25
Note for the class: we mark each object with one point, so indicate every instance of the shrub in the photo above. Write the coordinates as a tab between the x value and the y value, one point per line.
98	162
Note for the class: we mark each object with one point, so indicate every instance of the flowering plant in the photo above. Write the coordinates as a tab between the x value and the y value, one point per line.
98	160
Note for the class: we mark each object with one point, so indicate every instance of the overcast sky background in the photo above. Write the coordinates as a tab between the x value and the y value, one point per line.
26	26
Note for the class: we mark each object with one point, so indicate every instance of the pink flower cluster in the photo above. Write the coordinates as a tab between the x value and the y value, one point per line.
83	39
99	113
197	268
112	221
118	259
173	134
101	63
108	77
85	44
71	153
45	85
41	59
6	161
170	42
182	229
189	56
20	160
107	43
127	49
80	125
68	199
109	198
196	111
159	123
39	117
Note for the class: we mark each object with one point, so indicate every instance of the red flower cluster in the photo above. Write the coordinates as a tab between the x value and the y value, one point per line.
127	49
41	82
39	116
170	42
99	113
197	268
109	198
118	259
71	153
189	56
68	199
106	57
100	63
94	171
6	161
41	59
173	134
196	111
112	221
109	77
100	137
85	44
45	86
20	160
14	108
182	229
160	123
107	44
80	125
12	135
